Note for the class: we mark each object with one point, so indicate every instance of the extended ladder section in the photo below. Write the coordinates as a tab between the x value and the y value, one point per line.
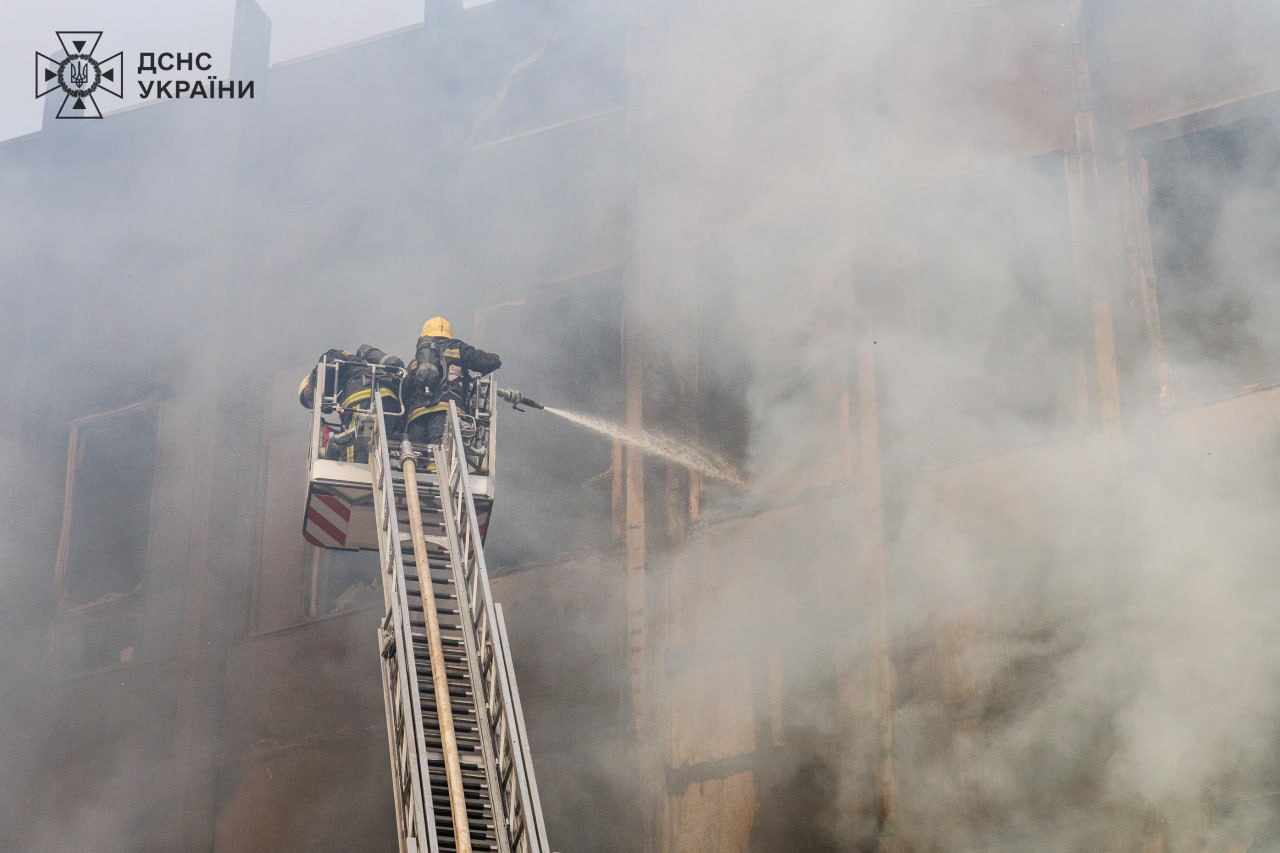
461	767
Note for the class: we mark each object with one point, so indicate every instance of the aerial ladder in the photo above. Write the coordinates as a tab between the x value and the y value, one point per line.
461	770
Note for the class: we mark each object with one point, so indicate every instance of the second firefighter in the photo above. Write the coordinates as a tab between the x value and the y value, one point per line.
442	370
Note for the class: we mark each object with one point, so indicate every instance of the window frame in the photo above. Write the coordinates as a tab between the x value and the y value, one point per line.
75	451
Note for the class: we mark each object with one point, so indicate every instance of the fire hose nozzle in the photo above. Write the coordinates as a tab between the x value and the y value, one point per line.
515	398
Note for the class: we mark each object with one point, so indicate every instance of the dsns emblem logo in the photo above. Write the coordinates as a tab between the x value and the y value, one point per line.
79	75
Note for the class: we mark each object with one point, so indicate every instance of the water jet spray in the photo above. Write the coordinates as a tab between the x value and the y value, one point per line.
667	447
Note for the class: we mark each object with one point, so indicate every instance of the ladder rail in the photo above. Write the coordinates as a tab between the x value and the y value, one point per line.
486	629
526	765
403	703
439	677
450	494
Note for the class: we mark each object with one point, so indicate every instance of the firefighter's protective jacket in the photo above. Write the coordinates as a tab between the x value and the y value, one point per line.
442	371
352	380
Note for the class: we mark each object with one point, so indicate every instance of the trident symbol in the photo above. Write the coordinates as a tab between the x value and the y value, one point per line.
79	73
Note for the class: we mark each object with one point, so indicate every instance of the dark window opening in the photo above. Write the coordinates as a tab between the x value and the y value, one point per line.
554	478
1215	240
341	581
107	515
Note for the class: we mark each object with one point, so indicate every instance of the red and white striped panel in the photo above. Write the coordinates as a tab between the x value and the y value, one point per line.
326	523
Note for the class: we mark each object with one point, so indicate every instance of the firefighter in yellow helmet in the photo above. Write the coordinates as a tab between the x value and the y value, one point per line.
351	379
442	370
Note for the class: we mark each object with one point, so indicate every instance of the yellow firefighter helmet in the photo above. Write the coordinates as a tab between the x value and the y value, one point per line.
437	327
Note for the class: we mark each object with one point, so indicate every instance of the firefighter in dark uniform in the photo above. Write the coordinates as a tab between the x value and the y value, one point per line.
441	371
348	373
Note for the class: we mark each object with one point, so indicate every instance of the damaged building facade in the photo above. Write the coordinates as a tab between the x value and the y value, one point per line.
976	294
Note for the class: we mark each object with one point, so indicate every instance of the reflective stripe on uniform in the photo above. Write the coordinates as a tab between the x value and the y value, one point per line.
365	393
418	412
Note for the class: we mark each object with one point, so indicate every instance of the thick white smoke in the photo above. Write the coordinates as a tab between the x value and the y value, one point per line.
1078	622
